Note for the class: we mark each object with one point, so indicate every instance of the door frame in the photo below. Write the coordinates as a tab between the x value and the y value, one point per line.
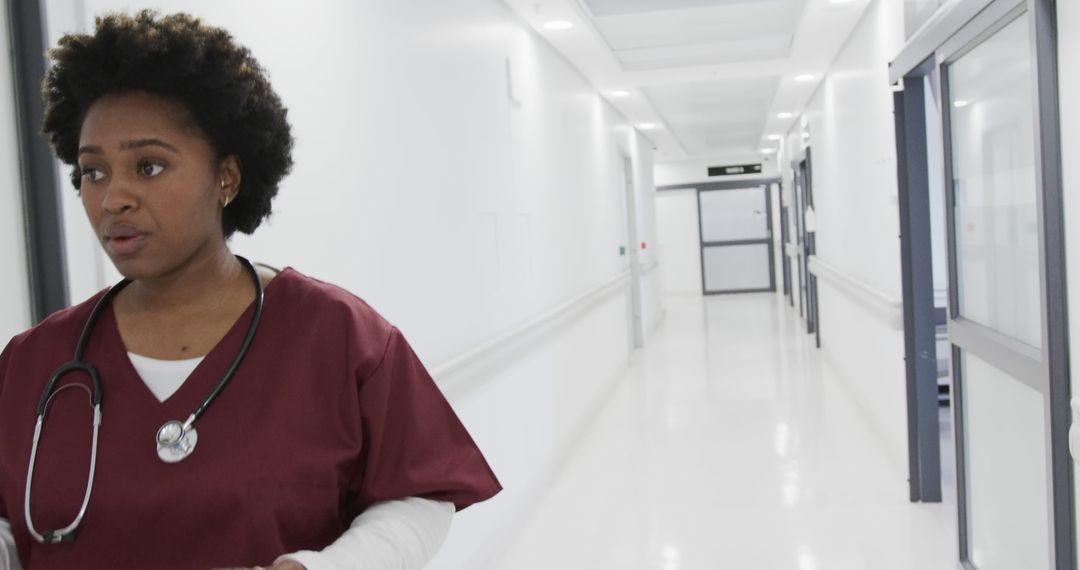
803	178
767	241
40	184
785	265
960	27
629	195
917	275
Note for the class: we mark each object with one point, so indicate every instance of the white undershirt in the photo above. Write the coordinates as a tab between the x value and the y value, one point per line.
163	377
393	535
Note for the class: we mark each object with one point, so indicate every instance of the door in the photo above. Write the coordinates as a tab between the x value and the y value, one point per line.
785	266
736	240
1014	476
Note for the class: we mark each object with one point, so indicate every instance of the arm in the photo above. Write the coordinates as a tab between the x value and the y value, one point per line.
9	557
391	535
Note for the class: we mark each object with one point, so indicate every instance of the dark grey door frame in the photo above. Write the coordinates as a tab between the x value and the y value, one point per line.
800	234
804	189
42	209
785	266
916	260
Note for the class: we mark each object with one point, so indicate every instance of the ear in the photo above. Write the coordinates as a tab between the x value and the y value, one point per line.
229	174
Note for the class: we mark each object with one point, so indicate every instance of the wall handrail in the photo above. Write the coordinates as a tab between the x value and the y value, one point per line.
886	306
579	304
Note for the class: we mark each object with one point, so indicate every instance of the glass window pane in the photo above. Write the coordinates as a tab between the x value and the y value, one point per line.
736	267
1006	465
729	215
993	134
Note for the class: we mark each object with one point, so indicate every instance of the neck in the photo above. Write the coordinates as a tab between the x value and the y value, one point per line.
202	282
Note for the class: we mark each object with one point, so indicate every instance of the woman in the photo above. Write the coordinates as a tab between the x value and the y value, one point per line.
248	416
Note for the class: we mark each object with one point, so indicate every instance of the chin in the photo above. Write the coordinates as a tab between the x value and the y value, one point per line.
135	268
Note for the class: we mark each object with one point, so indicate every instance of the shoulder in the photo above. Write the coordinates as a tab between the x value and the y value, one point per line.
329	311
49	342
59	325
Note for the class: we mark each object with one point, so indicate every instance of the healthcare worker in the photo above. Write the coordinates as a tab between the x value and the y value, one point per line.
205	412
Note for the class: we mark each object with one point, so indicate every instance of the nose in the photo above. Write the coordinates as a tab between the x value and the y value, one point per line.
118	197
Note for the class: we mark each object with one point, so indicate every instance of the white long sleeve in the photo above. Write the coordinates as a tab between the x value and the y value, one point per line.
9	557
392	535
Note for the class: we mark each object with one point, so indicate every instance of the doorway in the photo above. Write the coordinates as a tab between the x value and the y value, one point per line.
995	83
736	239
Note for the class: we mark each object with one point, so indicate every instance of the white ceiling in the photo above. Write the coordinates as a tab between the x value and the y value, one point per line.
617	7
711	74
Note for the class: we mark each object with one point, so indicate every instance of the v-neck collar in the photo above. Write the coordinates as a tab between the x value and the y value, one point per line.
202	379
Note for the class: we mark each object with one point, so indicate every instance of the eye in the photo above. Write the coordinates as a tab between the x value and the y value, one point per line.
92	174
151	168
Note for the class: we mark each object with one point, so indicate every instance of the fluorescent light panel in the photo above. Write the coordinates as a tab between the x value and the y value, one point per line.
558	25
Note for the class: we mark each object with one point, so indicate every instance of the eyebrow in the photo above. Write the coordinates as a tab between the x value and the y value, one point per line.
127	145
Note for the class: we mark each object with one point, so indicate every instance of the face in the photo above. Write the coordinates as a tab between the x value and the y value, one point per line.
151	185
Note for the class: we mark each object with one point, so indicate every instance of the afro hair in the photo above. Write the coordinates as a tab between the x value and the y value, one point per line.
176	56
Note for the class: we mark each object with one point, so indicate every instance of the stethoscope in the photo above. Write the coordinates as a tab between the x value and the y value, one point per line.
175	440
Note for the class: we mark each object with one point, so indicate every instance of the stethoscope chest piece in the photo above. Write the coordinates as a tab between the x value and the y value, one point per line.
175	442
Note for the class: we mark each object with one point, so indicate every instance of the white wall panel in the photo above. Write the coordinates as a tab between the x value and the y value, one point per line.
15	287
850	120
456	211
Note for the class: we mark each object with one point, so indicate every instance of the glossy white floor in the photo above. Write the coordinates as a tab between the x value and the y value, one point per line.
729	446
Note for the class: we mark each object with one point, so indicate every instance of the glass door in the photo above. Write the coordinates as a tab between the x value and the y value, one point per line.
736	240
998	325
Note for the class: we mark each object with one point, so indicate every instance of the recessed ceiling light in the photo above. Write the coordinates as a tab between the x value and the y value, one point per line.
804	78
646	126
619	93
558	25
785	115
768	151
960	104
774	137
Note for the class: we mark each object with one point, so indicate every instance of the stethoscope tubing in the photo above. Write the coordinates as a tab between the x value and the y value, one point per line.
67	534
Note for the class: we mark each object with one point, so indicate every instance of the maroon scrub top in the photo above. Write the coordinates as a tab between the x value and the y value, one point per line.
329	412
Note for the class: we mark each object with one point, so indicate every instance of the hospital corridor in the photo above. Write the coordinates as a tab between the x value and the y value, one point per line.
704	457
538	284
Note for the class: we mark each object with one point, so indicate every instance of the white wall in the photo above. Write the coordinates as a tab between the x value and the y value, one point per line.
457	212
1068	92
680	241
854	184
15	288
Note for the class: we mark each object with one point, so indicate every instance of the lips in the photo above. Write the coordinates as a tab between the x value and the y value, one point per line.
124	240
